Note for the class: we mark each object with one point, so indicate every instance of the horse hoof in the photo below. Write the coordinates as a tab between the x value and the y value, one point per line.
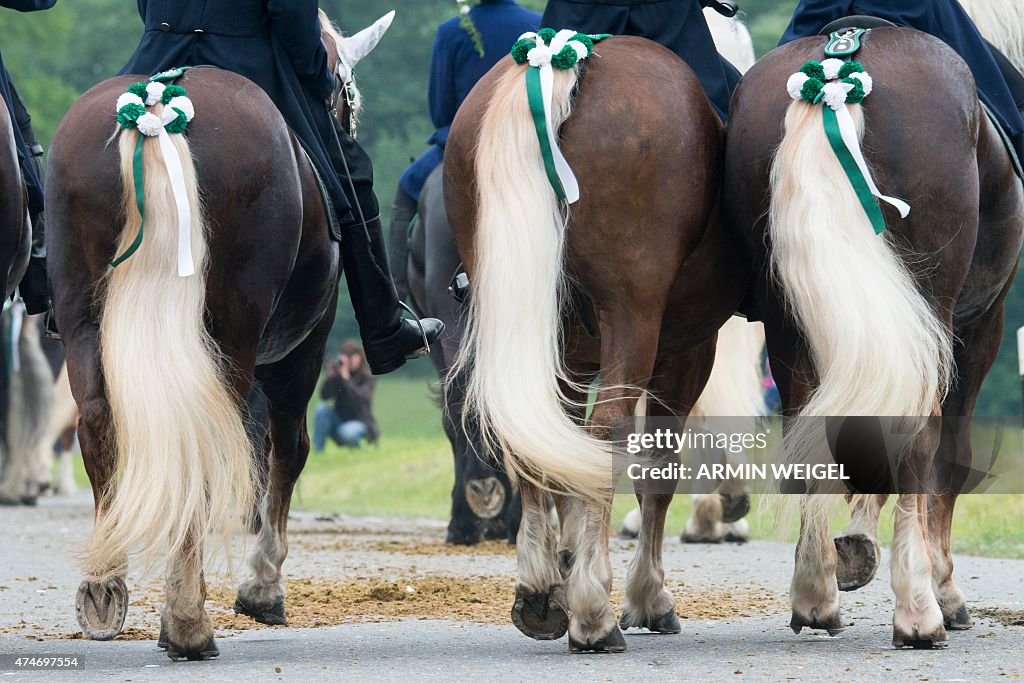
101	608
163	642
857	562
207	651
666	623
734	508
495	529
936	640
698	538
541	615
960	620
272	616
462	536
832	623
485	497
610	642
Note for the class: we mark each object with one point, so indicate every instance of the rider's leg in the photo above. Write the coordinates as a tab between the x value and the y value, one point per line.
33	288
403	209
388	338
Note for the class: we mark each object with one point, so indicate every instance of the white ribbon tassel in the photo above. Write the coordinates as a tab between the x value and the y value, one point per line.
172	161
849	132
570	185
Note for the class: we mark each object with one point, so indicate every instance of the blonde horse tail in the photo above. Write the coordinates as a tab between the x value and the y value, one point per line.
875	342
184	470
512	349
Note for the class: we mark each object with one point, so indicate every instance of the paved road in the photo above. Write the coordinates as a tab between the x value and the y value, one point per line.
38	578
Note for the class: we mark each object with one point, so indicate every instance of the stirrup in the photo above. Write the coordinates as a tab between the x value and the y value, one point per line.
425	349
50	330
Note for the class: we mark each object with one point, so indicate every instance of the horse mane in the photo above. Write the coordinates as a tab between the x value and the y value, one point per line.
1001	22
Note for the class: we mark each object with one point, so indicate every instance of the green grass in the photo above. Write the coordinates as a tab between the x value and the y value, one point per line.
409	474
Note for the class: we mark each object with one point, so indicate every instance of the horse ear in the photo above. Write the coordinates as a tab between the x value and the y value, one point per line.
354	48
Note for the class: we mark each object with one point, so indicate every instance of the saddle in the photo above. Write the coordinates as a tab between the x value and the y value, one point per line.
844	39
333	225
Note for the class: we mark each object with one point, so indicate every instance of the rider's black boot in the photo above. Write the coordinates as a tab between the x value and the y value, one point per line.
403	210
388	338
34	287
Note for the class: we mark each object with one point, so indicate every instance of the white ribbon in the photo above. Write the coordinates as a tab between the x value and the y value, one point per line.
172	161
849	132
570	185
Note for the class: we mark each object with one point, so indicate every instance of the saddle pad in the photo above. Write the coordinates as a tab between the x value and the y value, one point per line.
334	227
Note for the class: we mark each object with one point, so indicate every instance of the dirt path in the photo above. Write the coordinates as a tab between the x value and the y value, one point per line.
386	599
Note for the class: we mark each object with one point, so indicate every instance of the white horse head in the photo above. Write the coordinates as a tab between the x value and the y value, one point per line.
349	51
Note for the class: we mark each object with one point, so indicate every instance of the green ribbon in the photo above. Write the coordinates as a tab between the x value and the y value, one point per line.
536	99
860	185
140	203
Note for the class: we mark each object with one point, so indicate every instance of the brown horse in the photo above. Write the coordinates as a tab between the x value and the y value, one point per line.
161	365
632	282
861	325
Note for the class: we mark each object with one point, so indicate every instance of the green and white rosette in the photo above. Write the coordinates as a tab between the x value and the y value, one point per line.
545	51
837	83
133	112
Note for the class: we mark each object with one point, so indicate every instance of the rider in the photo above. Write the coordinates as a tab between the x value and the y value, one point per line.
277	45
33	288
465	48
947	21
679	25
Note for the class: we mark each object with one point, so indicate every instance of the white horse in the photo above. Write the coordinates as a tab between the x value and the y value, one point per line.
733	39
1001	22
30	398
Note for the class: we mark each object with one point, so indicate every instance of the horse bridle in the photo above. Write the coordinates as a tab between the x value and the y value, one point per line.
344	88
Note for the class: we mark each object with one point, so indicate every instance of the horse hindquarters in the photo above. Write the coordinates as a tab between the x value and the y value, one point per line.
182	456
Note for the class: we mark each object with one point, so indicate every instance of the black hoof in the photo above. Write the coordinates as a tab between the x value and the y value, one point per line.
495	529
274	616
833	624
542	616
937	640
162	642
857	561
685	538
666	623
734	508
566	558
207	651
610	642
730	537
960	621
462	535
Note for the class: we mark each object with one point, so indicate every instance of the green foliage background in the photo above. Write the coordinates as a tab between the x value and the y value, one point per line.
56	55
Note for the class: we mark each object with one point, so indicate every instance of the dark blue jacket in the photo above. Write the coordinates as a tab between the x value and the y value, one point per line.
944	19
679	25
28	171
456	66
274	43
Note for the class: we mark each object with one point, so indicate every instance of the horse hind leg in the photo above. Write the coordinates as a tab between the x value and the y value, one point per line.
974	359
186	631
648	603
814	592
540	608
629	343
101	602
288	386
